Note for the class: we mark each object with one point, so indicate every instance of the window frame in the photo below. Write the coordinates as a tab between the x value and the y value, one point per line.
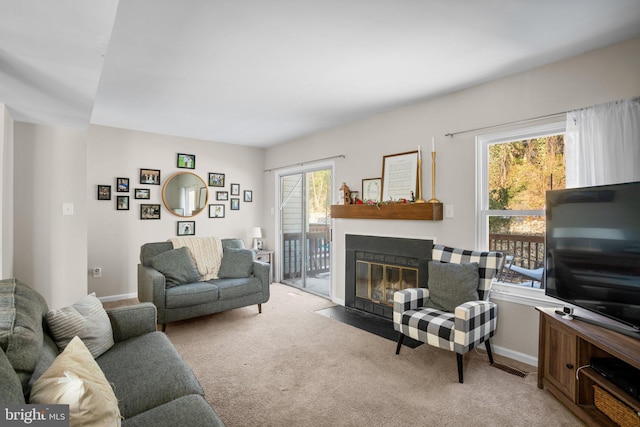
501	290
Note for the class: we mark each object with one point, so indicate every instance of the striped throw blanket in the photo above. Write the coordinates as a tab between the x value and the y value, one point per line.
205	251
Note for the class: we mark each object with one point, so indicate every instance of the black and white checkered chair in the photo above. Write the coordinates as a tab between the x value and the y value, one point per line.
471	324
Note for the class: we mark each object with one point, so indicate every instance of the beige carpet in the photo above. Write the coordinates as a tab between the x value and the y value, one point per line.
290	366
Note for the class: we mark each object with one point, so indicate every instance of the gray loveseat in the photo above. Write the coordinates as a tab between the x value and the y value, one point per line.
152	383
244	281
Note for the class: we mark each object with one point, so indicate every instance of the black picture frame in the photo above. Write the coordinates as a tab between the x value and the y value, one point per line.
222	195
150	211
122	185
216	211
186	161
186	228
248	196
235	189
150	176
142	193
122	203
104	192
216	179
235	204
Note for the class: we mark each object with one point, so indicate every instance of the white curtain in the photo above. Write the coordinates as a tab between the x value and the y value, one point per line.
602	144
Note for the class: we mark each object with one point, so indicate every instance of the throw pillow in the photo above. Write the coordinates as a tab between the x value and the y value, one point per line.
75	379
452	284
177	266
86	319
236	263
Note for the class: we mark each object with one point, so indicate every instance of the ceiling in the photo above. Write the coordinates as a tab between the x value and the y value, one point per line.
264	72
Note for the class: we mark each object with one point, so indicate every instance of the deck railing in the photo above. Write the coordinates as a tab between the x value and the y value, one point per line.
527	252
316	251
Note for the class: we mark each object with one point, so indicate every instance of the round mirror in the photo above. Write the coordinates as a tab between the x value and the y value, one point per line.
185	194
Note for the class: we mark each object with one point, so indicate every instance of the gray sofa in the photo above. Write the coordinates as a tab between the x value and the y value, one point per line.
245	283
151	381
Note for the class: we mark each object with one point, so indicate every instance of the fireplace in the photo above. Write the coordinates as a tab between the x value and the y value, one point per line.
376	267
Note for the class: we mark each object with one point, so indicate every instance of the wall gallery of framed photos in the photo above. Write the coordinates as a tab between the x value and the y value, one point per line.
223	195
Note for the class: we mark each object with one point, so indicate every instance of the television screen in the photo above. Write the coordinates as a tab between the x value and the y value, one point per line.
593	249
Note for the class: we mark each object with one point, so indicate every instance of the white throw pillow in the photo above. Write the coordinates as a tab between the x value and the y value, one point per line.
86	319
75	379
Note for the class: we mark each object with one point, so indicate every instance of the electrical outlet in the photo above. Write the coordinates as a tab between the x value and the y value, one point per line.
97	272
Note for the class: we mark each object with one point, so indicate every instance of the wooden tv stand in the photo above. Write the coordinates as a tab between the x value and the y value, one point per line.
567	346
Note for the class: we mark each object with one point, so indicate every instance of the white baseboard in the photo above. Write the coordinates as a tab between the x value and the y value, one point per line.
338	301
520	357
118	297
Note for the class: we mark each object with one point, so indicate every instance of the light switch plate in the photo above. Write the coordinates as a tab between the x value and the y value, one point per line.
67	209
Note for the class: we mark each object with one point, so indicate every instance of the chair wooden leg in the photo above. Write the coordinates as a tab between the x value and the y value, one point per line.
259	308
164	327
459	358
400	339
487	344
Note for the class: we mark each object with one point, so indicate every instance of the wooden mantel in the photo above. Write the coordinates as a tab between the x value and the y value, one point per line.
414	211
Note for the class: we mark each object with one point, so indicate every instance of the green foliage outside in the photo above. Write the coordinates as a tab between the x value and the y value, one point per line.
519	175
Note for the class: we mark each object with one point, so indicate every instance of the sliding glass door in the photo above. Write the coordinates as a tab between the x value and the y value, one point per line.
305	230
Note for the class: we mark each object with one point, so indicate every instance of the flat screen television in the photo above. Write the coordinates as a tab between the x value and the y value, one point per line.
593	251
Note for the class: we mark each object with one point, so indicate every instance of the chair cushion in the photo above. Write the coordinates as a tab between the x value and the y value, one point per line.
428	325
451	285
146	372
177	266
75	379
86	319
489	264
236	263
237	288
191	294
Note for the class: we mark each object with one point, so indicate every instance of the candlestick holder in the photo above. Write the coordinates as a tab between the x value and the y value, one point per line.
420	199
433	179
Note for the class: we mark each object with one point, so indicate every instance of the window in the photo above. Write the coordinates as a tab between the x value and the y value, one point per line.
515	169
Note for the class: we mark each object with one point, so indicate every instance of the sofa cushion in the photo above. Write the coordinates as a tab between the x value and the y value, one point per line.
192	294
172	414
10	386
21	312
146	372
451	284
75	379
149	250
86	319
236	288
236	263
232	244
177	266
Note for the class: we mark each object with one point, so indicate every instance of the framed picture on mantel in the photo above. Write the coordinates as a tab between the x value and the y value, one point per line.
399	176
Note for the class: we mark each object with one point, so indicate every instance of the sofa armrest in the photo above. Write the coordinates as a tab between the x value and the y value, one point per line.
262	270
151	286
132	320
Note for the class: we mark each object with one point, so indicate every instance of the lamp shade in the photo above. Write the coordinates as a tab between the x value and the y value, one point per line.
255	233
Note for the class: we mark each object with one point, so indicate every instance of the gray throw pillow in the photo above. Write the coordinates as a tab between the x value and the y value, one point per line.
452	284
236	263
86	319
177	266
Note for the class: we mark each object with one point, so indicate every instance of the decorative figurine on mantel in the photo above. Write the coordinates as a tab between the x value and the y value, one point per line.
344	195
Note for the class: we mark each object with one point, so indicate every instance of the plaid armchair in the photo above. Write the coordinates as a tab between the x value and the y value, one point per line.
471	324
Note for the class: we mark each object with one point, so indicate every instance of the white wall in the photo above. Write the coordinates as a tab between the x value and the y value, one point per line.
601	76
115	237
50	249
6	193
